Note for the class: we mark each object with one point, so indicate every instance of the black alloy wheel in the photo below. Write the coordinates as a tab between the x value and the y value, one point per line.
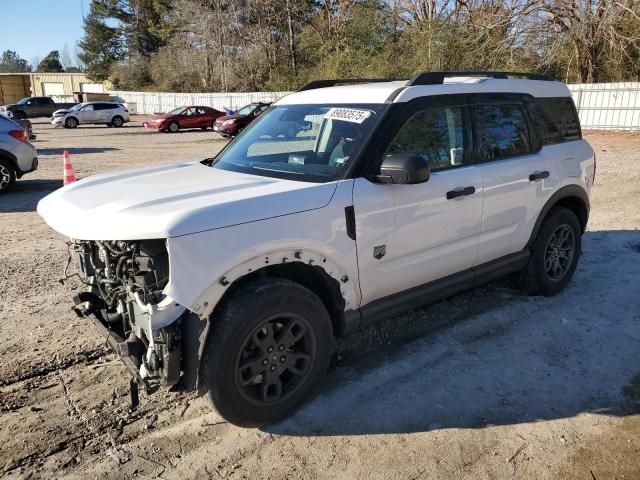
554	253
559	252
268	347
275	358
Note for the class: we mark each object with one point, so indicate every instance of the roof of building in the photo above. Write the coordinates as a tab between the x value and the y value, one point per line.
402	91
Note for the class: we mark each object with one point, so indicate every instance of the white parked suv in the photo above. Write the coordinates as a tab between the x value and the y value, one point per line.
234	274
111	114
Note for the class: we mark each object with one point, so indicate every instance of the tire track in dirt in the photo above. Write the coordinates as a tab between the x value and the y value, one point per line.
36	371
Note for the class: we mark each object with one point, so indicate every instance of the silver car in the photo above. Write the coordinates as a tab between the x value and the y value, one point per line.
17	155
111	114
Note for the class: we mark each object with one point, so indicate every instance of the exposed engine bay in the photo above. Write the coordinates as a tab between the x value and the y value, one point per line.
124	295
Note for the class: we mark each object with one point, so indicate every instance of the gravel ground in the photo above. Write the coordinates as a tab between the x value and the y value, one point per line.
490	384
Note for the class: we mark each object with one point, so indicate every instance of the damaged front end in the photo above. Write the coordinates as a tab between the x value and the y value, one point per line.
124	297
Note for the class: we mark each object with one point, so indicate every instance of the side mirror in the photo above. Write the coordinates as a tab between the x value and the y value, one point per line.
404	168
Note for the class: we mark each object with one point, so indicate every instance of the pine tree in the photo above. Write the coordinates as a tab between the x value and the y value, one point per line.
10	62
101	45
50	63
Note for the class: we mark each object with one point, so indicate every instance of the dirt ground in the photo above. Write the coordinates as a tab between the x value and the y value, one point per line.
490	384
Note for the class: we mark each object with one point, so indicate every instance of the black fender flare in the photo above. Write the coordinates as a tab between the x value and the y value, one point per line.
567	191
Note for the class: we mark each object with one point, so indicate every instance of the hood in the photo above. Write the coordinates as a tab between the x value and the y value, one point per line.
9	106
163	116
62	111
169	201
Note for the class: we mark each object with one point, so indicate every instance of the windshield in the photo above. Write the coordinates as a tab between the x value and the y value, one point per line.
246	110
22	101
311	143
77	107
175	111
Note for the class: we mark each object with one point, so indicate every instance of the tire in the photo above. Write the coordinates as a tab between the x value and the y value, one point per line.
71	122
109	125
7	175
117	121
253	332
553	260
173	127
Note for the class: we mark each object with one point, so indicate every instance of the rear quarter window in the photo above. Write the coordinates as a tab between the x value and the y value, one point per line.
555	119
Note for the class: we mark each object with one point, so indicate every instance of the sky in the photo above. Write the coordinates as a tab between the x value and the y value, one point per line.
33	28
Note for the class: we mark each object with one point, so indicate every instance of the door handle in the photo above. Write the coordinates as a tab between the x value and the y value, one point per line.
461	192
538	175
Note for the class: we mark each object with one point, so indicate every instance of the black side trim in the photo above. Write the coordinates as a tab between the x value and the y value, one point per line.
351	322
350	218
442	288
564	192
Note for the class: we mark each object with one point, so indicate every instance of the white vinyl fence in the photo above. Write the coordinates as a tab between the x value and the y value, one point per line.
608	106
601	106
153	102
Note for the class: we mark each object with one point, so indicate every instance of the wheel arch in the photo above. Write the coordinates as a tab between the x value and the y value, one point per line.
11	158
335	290
573	197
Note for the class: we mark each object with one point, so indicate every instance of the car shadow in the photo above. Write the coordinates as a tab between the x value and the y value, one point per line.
25	195
505	358
75	150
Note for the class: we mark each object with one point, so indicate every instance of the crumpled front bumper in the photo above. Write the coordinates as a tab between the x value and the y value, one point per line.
114	340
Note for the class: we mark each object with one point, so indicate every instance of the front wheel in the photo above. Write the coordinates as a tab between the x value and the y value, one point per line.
554	255
264	358
173	127
71	122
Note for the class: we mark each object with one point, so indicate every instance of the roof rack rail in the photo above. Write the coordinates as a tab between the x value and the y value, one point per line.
344	81
437	78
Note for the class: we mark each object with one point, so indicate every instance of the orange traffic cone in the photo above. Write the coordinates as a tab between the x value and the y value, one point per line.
69	174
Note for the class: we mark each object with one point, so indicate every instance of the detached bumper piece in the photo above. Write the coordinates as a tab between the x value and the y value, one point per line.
126	350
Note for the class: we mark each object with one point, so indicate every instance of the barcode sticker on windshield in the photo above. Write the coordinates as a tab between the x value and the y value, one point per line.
347	115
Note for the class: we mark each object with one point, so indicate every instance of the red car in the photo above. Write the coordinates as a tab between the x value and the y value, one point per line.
231	125
185	117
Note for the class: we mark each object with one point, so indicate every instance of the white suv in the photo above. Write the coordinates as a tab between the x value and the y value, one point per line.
111	114
339	206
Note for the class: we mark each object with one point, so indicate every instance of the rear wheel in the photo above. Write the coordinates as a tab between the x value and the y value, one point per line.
71	122
554	255
264	358
7	175
173	127
117	121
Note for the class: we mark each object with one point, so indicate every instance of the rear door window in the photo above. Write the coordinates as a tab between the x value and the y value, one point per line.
435	134
556	119
503	131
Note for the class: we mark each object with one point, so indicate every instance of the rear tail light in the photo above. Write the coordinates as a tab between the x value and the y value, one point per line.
126	110
19	135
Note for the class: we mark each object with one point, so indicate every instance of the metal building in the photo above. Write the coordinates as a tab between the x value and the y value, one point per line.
60	86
